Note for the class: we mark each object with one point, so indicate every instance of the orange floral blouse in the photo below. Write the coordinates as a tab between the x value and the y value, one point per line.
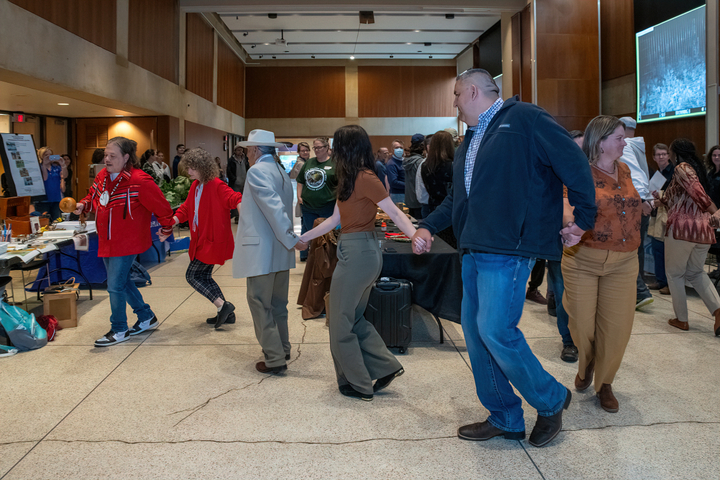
687	203
617	224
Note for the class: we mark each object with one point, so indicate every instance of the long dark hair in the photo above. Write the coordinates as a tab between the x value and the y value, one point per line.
684	151
442	149
352	152
708	159
145	156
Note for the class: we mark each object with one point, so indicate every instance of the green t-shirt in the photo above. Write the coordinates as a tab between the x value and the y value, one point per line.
319	182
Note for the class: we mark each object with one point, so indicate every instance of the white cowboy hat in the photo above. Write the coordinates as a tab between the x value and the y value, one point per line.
260	138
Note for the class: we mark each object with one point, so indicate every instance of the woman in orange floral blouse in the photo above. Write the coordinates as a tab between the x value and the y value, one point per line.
600	272
689	233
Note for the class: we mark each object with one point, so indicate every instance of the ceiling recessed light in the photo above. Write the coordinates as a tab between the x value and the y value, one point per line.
339	31
408	43
266	44
417	31
352	57
119	115
63	104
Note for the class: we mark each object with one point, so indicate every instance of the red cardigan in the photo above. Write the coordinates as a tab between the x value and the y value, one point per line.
213	241
123	225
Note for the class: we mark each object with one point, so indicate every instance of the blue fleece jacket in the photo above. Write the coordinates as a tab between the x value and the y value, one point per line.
515	202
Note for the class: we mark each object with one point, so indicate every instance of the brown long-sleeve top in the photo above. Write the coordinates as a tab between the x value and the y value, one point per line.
688	204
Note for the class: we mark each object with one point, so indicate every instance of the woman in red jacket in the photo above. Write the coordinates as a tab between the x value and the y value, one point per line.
207	209
123	199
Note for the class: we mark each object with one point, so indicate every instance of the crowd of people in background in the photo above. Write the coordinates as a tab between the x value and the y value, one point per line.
514	203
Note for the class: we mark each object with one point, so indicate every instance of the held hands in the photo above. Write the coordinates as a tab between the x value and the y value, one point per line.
422	241
571	234
79	207
162	237
647	208
300	245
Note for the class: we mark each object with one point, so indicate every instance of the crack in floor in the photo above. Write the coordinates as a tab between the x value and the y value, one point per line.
193	410
348	442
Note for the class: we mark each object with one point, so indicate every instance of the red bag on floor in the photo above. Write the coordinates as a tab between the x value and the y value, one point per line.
50	324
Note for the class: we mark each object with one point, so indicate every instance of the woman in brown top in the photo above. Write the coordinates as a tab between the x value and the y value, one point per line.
688	234
600	272
358	351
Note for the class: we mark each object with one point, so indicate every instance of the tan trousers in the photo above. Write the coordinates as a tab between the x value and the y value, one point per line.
600	294
685	261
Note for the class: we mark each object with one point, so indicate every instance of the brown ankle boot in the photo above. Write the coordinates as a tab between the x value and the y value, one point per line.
583	384
608	402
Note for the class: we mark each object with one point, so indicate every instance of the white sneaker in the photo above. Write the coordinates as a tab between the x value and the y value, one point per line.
111	338
140	327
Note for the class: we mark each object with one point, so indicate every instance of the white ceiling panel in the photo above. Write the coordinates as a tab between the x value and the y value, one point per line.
337	34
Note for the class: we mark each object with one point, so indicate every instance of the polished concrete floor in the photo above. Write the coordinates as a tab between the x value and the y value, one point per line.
185	401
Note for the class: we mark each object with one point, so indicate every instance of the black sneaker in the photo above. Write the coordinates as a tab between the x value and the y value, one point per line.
224	313
112	338
386	380
569	354
140	327
349	391
230	319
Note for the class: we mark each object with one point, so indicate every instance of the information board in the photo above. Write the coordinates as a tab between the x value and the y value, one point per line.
22	169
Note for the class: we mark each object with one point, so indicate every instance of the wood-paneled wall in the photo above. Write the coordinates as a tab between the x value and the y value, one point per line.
526	76
516	53
231	80
199	56
153	37
207	138
406	91
292	92
568	69
94	21
618	38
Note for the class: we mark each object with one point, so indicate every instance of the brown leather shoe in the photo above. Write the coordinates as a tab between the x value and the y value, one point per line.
654	286
665	290
716	327
678	324
262	368
583	384
535	296
608	402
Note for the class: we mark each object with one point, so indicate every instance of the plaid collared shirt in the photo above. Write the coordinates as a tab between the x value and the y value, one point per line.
478	134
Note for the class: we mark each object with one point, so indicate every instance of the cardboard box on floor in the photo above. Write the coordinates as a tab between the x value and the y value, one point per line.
62	305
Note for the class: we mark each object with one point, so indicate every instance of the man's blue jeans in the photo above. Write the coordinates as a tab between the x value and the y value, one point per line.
309	215
493	298
555	279
123	291
658	248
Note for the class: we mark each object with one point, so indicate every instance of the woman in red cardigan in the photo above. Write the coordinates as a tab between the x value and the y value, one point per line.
207	209
124	198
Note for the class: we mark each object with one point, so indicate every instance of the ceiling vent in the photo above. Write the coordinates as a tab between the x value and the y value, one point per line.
367	18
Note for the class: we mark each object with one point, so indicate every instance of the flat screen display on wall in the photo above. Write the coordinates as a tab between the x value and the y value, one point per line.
671	68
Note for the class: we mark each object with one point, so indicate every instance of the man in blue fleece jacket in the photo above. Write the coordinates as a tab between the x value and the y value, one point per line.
506	211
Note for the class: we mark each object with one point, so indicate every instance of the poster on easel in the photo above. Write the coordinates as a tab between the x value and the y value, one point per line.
22	169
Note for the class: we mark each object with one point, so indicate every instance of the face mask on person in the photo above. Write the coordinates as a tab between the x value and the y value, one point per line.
398	152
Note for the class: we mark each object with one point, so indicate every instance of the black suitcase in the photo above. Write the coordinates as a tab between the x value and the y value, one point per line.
389	310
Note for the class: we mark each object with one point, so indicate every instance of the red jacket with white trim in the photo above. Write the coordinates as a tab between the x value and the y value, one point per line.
213	241
123	225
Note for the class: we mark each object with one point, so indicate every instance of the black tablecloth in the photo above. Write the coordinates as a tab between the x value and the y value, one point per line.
436	276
